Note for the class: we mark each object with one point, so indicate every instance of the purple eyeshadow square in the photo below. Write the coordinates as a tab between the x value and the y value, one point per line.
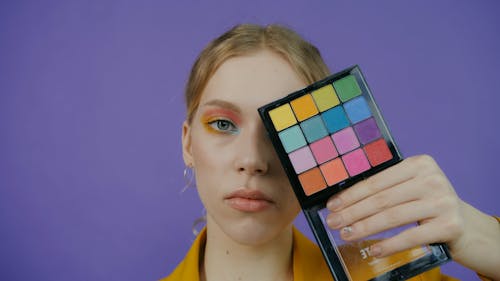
367	131
302	159
345	140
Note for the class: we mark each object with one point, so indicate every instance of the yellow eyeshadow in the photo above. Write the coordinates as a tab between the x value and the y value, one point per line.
282	117
205	121
304	107
325	97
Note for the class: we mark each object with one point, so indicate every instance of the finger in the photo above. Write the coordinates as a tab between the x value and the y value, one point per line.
400	215
399	194
401	172
423	234
387	178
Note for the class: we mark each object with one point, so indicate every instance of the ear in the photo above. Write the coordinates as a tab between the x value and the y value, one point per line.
186	144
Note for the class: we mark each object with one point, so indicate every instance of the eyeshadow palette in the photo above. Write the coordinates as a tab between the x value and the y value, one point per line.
329	136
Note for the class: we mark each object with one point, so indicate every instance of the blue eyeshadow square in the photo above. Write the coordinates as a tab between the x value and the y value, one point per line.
313	128
357	109
292	138
335	119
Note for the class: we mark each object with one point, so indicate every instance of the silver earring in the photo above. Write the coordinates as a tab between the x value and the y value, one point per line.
200	222
188	175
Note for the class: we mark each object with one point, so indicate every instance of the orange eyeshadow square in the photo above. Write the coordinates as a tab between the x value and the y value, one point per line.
304	107
312	181
334	171
378	152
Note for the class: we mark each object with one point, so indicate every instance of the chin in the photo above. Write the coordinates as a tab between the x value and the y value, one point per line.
255	233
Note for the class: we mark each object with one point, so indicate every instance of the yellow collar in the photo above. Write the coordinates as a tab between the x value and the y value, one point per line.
308	262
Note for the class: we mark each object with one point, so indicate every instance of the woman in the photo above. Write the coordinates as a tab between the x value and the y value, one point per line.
250	204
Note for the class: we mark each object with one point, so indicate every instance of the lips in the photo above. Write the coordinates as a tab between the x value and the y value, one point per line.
247	200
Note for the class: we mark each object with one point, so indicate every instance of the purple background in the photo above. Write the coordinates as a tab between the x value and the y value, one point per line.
91	109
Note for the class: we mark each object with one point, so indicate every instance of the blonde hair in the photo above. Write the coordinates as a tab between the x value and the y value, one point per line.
245	39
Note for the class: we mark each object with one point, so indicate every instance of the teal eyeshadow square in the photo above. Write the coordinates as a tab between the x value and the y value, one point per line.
292	138
335	119
357	109
313	128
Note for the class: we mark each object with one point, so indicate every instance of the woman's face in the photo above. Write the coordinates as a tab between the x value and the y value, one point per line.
238	174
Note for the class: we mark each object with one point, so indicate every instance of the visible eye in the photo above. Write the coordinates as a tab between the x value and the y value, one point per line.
223	125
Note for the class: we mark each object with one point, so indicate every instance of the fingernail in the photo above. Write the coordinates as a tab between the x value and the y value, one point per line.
333	204
375	250
334	221
347	230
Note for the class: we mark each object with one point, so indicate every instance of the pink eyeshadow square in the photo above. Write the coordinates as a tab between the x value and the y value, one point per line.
356	162
345	140
323	150
302	159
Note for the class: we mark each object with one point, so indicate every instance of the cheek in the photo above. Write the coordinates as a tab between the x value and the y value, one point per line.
211	162
209	151
205	173
207	154
293	203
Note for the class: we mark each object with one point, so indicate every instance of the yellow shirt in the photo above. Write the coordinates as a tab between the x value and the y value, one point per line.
308	263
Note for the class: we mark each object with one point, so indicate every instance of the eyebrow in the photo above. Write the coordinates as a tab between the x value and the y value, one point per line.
223	104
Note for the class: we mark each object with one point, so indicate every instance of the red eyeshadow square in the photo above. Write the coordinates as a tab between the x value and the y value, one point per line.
378	152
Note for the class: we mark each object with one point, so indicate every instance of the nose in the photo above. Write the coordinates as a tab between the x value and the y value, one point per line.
253	152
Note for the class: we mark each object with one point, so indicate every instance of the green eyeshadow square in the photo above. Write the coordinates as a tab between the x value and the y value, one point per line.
325	98
292	138
347	88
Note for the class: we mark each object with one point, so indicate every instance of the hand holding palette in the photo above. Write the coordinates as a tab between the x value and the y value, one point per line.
329	136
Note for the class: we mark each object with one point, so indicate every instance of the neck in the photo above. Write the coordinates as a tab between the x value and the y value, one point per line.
226	259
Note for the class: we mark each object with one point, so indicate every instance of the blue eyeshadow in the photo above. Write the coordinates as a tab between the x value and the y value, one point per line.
335	119
357	109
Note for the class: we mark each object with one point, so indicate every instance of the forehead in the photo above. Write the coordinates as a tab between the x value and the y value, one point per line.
251	81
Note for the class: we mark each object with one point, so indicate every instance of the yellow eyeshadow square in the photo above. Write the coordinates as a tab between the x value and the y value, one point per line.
325	97
282	117
304	107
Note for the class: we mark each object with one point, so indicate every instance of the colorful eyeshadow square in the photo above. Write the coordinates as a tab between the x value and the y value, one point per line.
347	88
314	129
367	131
345	140
323	150
282	117
378	152
304	107
325	97
356	162
334	171
302	159
335	119
292	138
312	181
357	109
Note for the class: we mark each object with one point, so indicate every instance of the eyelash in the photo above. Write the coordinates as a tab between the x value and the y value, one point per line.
216	123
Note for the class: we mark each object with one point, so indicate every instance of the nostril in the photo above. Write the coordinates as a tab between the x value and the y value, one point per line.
261	171
258	171
253	165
